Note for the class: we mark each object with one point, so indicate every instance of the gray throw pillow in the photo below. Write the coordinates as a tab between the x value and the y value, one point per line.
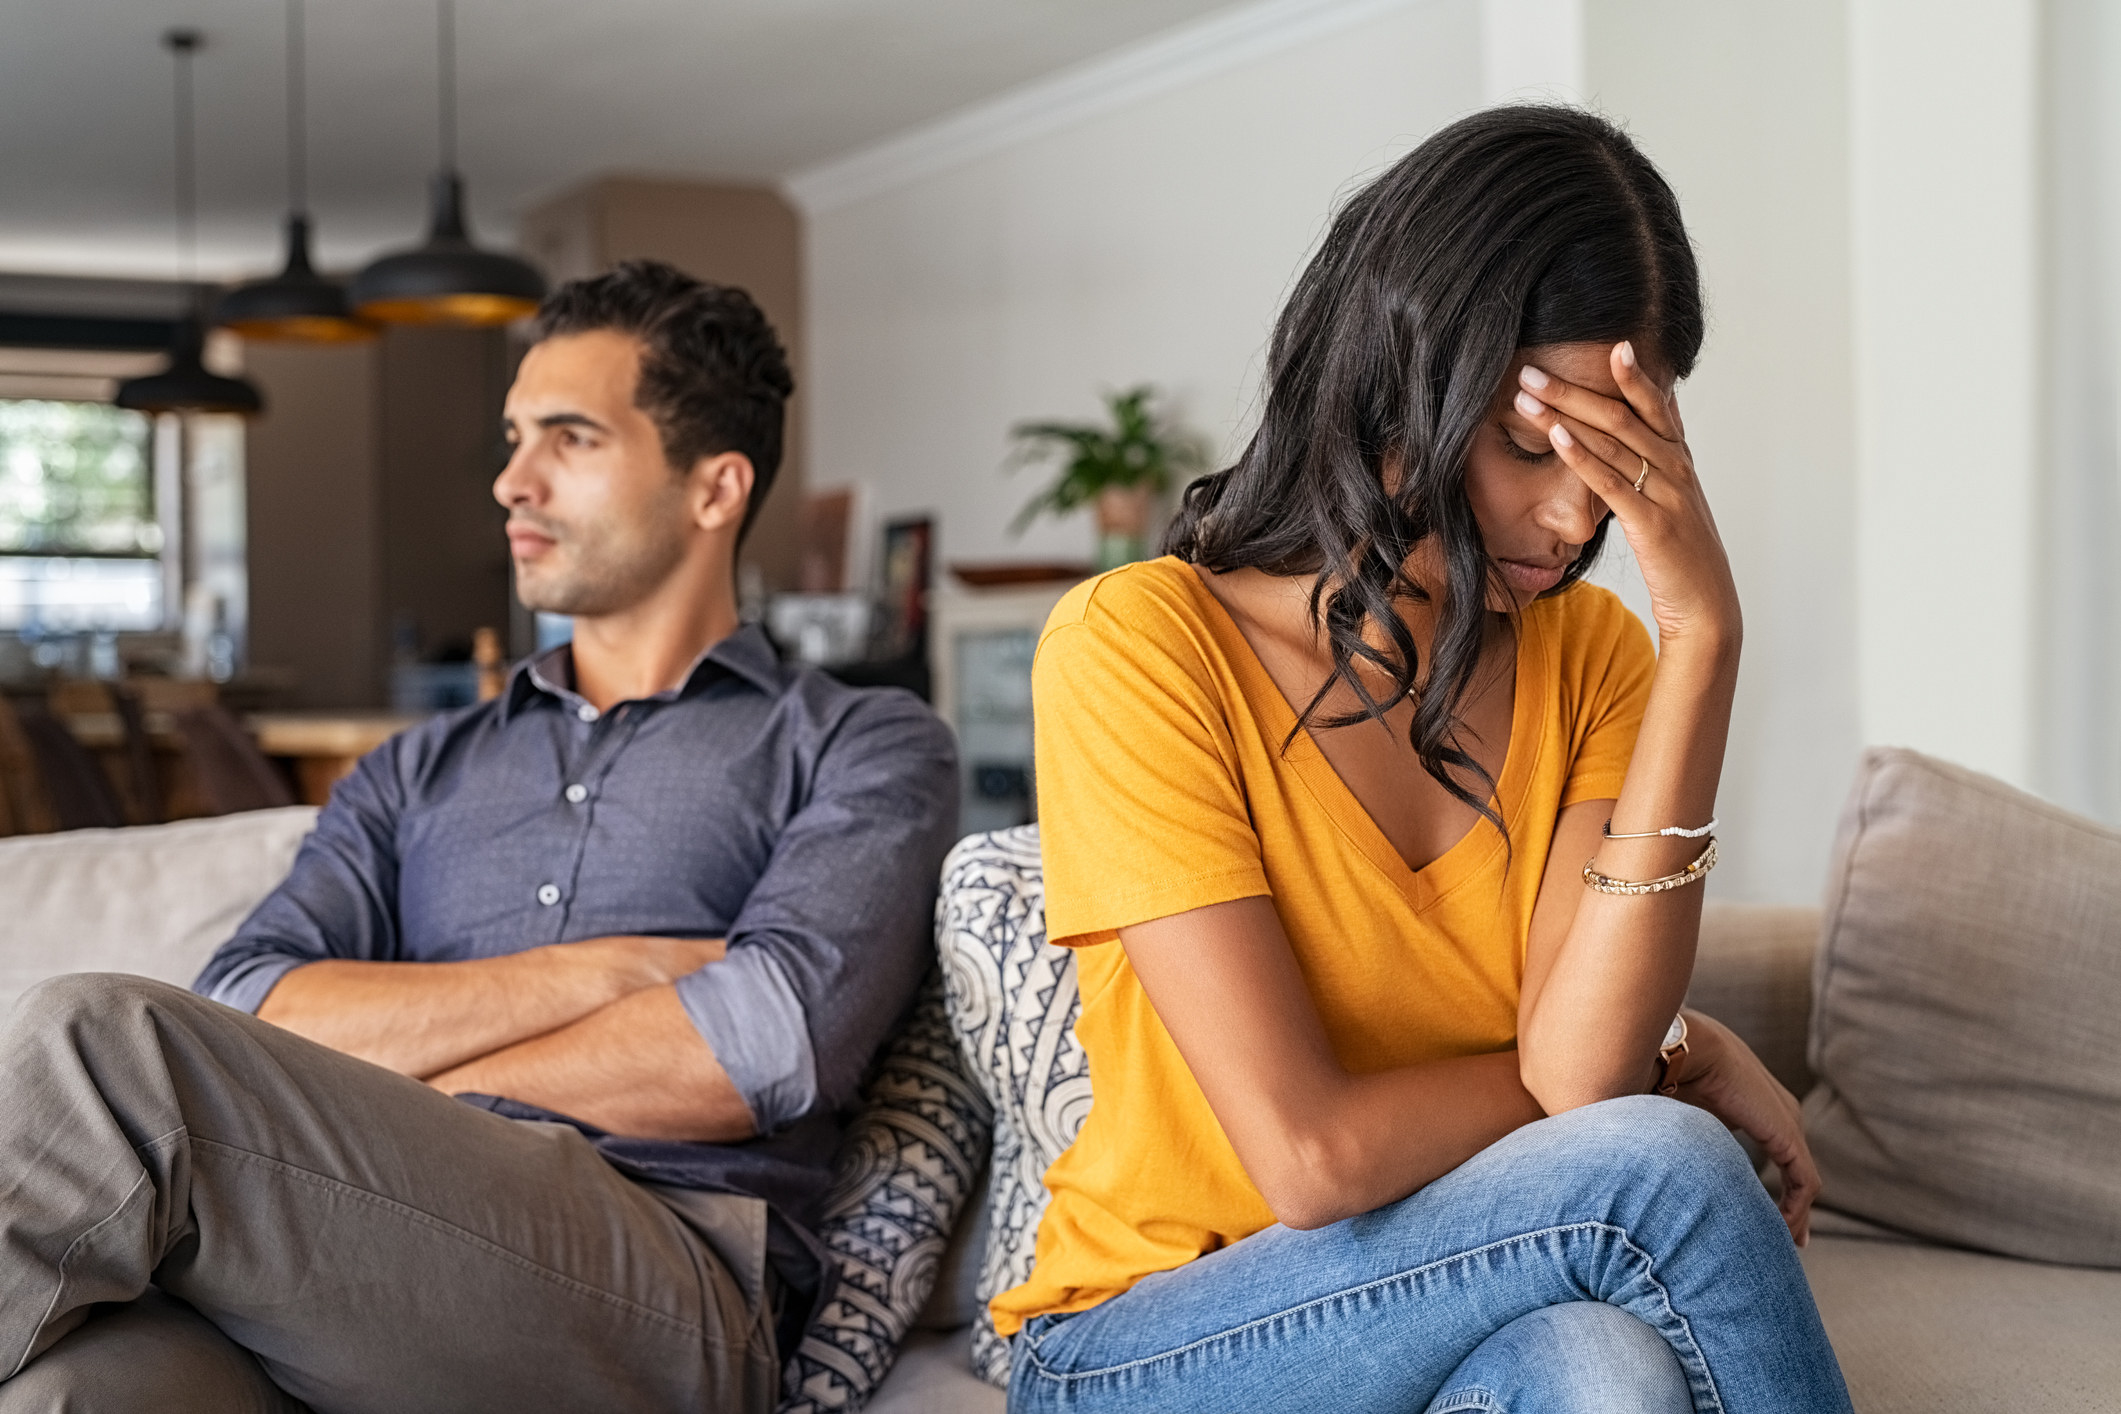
1967	1016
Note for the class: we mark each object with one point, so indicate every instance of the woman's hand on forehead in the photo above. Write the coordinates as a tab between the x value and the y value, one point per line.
1631	450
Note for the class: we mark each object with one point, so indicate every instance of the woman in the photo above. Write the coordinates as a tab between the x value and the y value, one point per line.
1351	802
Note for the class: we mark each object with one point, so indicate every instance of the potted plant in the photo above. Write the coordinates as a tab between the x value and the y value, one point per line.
1119	469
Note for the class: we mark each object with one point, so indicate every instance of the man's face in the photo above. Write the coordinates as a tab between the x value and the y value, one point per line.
597	518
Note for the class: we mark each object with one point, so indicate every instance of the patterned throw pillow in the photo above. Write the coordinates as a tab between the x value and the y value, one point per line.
902	1179
1013	1004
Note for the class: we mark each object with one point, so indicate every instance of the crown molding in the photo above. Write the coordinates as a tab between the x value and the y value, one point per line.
1128	75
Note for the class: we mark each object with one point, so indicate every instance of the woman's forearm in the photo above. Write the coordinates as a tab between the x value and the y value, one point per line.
1599	996
1319	1143
1369	1140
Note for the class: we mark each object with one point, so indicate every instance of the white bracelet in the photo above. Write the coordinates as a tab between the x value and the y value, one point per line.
1677	832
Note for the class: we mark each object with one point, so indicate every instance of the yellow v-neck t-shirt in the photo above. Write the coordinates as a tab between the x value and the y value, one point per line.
1163	786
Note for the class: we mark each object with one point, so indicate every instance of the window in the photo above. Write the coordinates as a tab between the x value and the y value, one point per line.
79	540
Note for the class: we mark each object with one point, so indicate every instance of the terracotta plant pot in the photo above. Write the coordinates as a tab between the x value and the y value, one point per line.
1123	525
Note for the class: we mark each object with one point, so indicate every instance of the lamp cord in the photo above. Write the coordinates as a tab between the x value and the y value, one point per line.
446	26
183	43
297	114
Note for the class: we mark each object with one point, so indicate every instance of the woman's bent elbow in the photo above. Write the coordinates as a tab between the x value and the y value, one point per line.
1309	1185
1561	1089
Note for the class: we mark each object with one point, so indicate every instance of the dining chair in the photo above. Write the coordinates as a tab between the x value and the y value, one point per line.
79	794
23	807
232	773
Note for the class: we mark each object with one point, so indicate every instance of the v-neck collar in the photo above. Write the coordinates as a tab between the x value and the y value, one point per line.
1471	853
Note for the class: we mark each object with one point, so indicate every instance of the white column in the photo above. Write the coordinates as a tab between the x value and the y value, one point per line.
1945	210
2080	761
1744	110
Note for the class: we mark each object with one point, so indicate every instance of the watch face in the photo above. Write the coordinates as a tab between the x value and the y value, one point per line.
1675	1035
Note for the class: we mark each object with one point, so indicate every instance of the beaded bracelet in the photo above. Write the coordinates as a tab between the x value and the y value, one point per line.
1694	872
1677	832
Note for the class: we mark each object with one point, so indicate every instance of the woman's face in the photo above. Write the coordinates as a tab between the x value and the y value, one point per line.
1535	514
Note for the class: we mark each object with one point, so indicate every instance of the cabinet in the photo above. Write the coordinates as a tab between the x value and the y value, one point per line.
980	644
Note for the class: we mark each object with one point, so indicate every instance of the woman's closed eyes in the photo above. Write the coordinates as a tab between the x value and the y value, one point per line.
1518	450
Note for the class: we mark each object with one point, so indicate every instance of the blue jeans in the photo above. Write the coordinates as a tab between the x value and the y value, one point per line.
1620	1257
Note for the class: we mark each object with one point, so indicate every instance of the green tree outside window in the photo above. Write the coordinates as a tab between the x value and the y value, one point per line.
75	479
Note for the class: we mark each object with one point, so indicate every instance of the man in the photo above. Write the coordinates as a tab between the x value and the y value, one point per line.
650	912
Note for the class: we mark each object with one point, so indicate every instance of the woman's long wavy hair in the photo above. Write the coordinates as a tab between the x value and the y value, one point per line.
1518	227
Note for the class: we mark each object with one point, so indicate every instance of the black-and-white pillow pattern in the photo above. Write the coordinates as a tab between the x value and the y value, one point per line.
900	1183
1013	1005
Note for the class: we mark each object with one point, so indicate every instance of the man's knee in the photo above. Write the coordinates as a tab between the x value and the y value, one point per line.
77	998
92	1014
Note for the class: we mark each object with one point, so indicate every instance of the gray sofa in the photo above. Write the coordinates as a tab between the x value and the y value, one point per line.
1920	1326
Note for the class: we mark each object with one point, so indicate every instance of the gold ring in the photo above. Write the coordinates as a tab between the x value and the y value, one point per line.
1645	474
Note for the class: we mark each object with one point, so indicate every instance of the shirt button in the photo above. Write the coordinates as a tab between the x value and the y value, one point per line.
577	793
586	712
548	894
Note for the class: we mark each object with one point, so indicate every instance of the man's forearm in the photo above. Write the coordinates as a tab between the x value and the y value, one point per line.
420	1018
637	1067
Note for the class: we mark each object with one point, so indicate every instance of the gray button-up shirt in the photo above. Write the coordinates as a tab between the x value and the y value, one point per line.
802	820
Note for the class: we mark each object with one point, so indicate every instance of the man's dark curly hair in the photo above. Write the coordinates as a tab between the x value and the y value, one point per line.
714	377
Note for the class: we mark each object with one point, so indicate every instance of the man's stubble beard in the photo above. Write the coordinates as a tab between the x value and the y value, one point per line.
603	574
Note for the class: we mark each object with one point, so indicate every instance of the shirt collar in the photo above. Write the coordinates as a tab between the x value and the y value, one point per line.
746	654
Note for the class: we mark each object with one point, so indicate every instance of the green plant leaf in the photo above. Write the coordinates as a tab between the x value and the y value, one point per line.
1138	449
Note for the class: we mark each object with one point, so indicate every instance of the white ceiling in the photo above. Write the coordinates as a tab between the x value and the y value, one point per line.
553	92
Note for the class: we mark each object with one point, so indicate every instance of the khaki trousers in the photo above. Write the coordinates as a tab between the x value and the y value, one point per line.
202	1211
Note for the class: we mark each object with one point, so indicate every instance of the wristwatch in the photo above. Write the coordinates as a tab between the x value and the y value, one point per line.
1669	1055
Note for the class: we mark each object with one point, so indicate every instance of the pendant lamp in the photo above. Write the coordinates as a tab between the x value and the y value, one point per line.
297	303
448	280
186	385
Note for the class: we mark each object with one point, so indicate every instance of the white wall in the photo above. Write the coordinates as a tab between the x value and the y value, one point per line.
961	285
1148	242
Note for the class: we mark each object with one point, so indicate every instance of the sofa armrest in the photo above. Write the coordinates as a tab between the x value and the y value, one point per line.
1753	973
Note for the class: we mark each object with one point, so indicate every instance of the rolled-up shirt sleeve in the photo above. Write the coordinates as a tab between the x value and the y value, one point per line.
834	938
336	902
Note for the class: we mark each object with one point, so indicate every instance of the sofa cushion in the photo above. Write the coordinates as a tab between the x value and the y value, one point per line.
934	1376
904	1173
1013	1004
1931	1330
954	1303
1753	973
1963	1023
156	899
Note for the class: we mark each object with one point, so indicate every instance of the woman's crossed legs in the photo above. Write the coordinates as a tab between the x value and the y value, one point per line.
1642	1204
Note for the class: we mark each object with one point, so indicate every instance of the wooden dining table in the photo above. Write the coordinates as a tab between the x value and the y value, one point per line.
320	747
324	746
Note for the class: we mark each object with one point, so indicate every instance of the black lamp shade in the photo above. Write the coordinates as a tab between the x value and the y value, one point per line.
186	385
297	303
448	280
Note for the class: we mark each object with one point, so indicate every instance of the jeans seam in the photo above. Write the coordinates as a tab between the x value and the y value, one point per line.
443	1225
1649	1271
1472	1397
